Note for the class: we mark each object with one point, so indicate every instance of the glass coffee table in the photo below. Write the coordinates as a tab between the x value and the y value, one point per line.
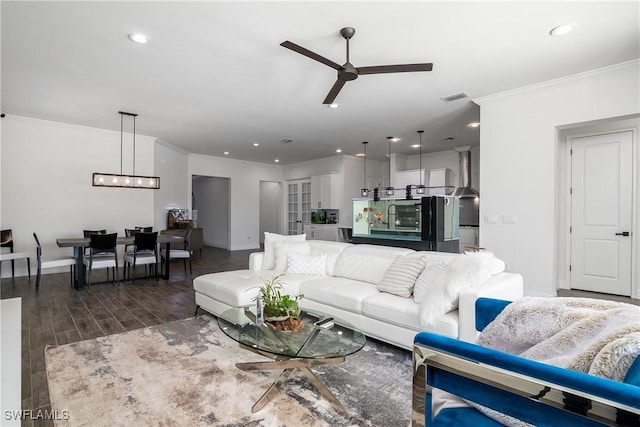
290	350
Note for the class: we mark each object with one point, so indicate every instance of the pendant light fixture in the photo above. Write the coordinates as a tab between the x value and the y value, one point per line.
389	191
122	180
421	188
364	192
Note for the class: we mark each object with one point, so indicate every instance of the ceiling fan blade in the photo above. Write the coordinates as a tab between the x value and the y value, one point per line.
306	52
335	89
380	69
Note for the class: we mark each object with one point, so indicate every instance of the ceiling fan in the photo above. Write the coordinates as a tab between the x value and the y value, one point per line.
347	71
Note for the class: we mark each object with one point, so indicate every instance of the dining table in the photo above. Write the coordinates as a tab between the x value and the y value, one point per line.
80	243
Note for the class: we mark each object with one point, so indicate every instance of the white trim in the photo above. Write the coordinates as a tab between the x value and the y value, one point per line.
623	66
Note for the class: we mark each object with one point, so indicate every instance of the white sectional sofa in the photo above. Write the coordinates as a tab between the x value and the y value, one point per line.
354	282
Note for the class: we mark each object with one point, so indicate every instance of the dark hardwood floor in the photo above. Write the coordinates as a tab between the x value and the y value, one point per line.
58	314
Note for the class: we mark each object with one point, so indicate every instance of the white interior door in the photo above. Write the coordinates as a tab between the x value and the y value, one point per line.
601	213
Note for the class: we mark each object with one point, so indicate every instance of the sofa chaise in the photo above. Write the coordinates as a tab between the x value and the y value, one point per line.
389	293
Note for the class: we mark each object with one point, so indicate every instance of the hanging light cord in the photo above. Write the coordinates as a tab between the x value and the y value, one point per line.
121	125
134	145
420	132
364	181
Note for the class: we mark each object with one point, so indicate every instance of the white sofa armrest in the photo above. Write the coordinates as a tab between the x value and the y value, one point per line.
505	286
255	261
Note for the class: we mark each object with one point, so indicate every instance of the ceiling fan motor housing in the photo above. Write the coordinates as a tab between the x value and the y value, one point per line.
348	72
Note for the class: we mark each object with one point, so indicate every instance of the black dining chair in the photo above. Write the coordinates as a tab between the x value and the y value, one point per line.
102	254
51	263
183	254
145	252
6	241
144	229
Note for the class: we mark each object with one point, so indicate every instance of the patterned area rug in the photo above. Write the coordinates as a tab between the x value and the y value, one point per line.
183	374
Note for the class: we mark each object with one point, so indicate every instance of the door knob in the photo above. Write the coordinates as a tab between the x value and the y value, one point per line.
624	233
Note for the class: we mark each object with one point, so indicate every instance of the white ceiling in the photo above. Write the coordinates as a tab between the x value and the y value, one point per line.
213	77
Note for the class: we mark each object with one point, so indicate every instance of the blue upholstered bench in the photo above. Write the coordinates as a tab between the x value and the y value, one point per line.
530	391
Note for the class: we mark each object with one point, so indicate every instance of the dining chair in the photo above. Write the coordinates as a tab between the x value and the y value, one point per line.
129	232
6	241
145	252
144	229
102	254
51	263
183	254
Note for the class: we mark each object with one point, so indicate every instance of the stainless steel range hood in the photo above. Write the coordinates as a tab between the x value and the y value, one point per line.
464	172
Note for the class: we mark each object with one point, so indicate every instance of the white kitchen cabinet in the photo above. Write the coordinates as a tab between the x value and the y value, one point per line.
409	177
324	191
468	238
321	232
439	178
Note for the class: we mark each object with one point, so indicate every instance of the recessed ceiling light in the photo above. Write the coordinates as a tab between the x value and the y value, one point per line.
561	29
226	153
255	144
474	125
334	105
277	160
360	155
138	38
415	145
338	150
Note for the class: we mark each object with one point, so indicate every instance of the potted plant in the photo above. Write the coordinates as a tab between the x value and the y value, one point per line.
276	306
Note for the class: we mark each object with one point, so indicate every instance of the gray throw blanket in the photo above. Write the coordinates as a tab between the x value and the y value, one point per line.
587	335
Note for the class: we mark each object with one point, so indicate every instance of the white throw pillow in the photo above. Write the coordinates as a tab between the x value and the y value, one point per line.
365	268
311	265
401	276
467	271
270	239
284	249
424	282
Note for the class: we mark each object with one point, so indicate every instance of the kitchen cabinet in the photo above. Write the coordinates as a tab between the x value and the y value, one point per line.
468	238
439	178
324	191
409	177
321	232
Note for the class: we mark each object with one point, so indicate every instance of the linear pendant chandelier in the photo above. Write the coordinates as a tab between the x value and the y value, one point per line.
122	180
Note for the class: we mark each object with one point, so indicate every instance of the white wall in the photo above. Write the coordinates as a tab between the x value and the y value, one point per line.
212	202
244	188
172	166
520	152
46	183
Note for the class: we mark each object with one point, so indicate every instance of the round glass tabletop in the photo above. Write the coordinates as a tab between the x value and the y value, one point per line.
312	341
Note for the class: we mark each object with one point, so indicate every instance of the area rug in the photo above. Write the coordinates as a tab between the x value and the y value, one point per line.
183	374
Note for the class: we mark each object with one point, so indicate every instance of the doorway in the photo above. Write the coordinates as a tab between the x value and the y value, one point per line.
270	208
601	201
211	198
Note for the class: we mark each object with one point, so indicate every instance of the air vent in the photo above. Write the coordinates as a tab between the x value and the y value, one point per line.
455	97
